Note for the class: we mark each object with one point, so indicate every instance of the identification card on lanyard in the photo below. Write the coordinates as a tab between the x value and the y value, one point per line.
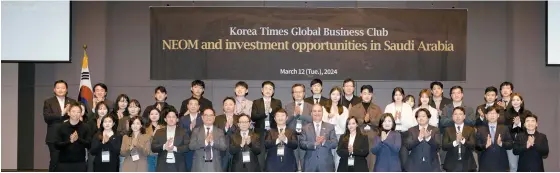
280	151
105	156
246	157
170	157
134	154
351	160
298	126
267	124
367	128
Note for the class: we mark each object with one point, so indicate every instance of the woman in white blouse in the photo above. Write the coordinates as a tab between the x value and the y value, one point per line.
401	112
336	114
423	102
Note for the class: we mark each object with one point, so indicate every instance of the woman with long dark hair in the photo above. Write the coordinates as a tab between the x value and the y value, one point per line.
353	148
106	144
136	147
335	114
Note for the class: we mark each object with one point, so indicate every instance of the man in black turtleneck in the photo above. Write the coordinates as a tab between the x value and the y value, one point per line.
72	139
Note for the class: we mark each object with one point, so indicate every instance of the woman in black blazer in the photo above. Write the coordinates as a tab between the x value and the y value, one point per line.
106	142
352	145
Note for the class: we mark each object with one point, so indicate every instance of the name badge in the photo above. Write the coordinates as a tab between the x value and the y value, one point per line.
423	159
298	126
246	157
170	158
351	161
105	156
134	154
267	124
367	128
280	151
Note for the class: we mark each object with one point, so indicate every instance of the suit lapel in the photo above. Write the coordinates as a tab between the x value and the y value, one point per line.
175	140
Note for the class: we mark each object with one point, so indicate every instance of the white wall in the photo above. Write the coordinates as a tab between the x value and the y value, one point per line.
9	115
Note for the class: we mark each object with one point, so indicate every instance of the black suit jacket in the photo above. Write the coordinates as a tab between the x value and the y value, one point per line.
51	114
258	114
286	163
423	155
181	141
361	151
509	114
531	159
444	101
310	100
484	121
493	158
452	162
204	104
254	149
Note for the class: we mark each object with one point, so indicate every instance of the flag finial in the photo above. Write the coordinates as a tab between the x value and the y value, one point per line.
85	47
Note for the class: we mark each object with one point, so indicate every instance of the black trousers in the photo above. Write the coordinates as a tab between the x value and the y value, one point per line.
53	152
71	167
262	157
403	153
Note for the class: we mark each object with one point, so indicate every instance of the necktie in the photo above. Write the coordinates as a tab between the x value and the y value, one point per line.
317	130
208	149
458	129
492	132
316	100
281	130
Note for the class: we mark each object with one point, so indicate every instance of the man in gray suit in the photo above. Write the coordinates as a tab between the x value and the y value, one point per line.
318	139
299	115
208	142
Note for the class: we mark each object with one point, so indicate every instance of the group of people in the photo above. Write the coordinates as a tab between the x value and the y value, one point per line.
344	133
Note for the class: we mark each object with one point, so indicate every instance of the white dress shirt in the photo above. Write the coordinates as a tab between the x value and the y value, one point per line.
420	128
461	126
339	120
193	117
170	134
284	132
352	138
61	103
208	130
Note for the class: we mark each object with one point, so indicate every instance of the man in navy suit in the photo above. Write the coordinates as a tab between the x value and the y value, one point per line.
318	139
492	140
190	120
281	144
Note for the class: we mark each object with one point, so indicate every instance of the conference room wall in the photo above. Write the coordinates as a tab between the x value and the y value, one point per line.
9	115
500	47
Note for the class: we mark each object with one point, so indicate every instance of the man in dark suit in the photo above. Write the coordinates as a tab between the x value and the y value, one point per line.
459	142
492	140
299	115
228	123
171	143
349	98
160	94
316	90
280	144
490	95
506	89
244	148
531	146
197	90
55	110
190	120
423	141
437	100
262	112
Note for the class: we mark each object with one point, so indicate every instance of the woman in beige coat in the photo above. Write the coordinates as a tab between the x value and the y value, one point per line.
136	147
